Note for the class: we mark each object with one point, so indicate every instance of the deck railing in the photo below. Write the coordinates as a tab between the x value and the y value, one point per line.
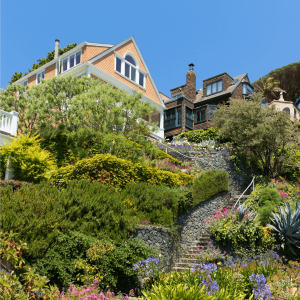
9	122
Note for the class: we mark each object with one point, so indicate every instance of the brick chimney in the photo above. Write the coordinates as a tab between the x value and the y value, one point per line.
190	87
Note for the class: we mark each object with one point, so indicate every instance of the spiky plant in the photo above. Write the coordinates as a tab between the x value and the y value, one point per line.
287	224
243	211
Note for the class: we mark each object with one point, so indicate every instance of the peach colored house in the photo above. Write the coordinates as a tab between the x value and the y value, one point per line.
288	107
121	65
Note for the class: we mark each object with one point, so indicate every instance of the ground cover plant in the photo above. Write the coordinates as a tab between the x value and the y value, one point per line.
260	277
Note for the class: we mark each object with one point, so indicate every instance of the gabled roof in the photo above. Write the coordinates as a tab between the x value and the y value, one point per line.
229	91
131	38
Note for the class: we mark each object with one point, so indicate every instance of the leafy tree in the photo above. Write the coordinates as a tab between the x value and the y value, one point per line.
105	108
264	137
289	78
268	86
42	62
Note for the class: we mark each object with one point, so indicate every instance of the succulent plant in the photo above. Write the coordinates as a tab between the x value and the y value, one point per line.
243	211
287	224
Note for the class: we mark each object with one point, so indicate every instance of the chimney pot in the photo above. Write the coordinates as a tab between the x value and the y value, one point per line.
191	67
56	48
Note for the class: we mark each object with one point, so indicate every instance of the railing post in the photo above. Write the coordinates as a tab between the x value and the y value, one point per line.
14	123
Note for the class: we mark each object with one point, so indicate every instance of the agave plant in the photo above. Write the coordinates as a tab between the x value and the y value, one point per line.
243	211
287	223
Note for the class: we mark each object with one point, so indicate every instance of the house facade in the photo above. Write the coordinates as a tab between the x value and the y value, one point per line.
121	65
288	107
190	109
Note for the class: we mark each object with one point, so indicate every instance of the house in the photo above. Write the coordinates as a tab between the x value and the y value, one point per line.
121	65
190	109
287	106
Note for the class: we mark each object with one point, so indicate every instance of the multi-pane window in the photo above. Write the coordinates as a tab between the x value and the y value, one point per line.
215	87
200	115
24	83
128	67
172	118
247	89
188	117
71	61
39	76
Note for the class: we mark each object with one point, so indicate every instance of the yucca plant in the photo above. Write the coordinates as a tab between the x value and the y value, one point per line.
287	224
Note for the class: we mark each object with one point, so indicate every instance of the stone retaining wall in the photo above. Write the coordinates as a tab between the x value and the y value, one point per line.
190	227
216	161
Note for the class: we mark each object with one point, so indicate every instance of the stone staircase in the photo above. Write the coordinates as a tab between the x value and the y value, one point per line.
188	258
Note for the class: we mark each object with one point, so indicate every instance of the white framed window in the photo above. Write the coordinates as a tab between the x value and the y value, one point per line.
39	76
71	61
128	67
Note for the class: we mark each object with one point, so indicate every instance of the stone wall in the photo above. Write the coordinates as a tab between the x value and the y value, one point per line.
191	224
216	161
159	238
190	227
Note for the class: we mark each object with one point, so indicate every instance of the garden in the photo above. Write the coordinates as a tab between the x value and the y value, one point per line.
81	187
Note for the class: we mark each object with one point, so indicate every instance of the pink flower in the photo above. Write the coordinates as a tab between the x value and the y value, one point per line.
229	228
95	280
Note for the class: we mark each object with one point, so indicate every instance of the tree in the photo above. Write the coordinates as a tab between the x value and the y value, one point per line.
71	103
262	136
289	77
15	98
268	86
105	108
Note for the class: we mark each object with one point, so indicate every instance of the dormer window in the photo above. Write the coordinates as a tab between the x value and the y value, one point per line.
247	89
215	87
177	96
287	110
39	76
71	61
128	67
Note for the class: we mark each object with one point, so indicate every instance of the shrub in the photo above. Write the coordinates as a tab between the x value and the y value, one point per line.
27	159
117	172
209	184
196	136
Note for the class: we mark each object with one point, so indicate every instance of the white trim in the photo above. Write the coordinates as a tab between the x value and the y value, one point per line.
99	45
79	69
138	70
134	58
68	62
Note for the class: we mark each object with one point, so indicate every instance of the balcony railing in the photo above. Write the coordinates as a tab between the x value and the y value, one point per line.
9	122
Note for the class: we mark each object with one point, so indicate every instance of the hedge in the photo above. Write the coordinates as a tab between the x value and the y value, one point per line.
114	171
209	184
199	135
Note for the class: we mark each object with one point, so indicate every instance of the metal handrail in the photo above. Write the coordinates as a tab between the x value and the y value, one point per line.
238	201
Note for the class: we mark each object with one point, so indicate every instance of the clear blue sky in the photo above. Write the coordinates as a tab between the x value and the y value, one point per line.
216	35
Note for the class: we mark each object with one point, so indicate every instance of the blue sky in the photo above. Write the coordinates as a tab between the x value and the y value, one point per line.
218	36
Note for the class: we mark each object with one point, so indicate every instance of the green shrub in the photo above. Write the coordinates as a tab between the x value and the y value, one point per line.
28	160
268	199
196	136
114	171
209	184
158	204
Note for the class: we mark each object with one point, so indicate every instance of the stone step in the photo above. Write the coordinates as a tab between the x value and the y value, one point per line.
184	265
180	269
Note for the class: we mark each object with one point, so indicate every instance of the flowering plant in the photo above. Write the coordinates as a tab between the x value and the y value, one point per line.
147	268
227	226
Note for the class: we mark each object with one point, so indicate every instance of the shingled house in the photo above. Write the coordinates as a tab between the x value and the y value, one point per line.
190	109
